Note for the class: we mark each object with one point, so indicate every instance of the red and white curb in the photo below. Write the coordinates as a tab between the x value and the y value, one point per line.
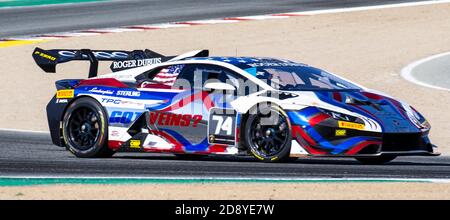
94	32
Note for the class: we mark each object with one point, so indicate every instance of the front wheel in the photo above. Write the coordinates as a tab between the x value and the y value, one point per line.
267	134
376	160
85	129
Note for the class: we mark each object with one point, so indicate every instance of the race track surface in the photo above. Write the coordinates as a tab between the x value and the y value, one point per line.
59	18
30	154
434	72
26	154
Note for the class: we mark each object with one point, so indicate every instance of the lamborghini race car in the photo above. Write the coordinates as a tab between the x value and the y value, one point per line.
195	104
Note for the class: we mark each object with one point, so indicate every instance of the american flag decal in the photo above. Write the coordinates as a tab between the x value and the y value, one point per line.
168	75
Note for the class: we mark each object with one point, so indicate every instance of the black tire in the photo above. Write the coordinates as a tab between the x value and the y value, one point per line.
85	129
269	141
376	160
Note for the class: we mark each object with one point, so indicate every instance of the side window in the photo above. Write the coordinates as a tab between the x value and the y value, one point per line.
196	75
243	85
185	79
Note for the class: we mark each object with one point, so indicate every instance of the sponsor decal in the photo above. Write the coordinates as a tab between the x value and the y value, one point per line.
126	102
62	100
129	93
350	125
135	144
340	132
114	133
46	56
135	63
169	119
270	64
119	102
123	117
65	94
101	91
111	101
98	54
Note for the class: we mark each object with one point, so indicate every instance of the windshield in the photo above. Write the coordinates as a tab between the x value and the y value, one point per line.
298	78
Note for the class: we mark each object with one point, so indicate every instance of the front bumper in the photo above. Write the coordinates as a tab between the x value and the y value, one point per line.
363	144
321	135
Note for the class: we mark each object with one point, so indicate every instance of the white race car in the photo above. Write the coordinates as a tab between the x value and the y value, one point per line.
193	104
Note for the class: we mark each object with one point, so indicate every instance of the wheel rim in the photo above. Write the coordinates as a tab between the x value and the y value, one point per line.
269	139
84	127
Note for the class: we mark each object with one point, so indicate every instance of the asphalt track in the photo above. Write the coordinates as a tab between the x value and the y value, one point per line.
25	21
433	72
32	154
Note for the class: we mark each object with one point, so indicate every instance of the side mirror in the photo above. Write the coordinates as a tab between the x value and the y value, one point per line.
218	86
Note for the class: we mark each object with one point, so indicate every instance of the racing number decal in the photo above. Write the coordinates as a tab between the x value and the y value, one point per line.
222	126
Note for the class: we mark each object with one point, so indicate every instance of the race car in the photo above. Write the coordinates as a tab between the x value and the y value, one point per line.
194	105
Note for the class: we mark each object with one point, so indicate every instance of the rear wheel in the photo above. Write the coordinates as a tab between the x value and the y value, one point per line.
376	160
85	129
267	134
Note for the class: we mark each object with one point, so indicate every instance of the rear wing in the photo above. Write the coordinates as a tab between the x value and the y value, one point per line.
47	60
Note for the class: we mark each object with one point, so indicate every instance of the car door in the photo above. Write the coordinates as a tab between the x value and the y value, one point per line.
195	104
192	117
216	123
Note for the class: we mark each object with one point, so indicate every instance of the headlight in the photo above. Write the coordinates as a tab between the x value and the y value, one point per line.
422	121
416	117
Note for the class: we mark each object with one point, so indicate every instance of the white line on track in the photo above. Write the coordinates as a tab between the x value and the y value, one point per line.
239	19
406	72
366	8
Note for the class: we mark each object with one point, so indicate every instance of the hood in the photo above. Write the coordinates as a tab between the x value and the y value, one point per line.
392	115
